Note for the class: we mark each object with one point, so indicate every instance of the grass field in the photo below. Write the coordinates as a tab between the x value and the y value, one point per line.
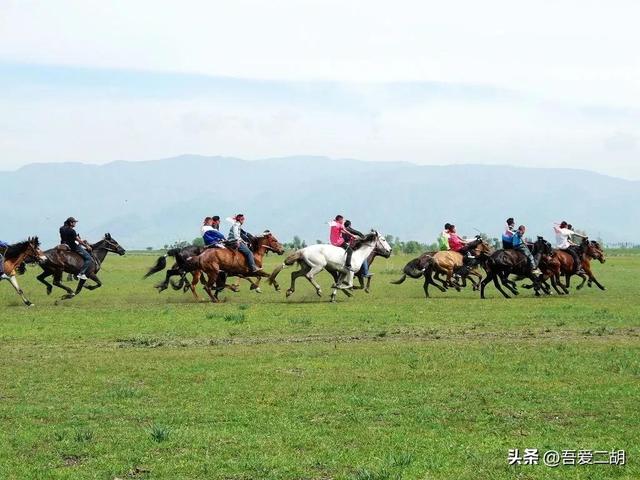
124	382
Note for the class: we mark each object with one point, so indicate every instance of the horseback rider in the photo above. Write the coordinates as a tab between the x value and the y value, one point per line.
457	243
337	233
443	239
210	233
507	236
70	238
351	240
242	238
3	247
564	243
518	244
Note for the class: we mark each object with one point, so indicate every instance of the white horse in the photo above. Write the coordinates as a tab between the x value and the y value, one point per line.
315	258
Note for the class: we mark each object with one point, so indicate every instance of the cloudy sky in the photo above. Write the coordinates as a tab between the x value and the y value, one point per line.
498	82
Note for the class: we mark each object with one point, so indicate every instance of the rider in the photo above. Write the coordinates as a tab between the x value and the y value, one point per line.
507	236
3	247
69	237
519	245
337	231
350	240
443	239
210	234
241	237
564	243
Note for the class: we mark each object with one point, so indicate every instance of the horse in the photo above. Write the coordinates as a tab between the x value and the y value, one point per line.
181	268
14	259
61	259
589	249
315	258
451	262
216	261
503	263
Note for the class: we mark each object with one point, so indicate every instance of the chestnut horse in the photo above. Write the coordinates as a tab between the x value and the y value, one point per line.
589	250
14	257
231	262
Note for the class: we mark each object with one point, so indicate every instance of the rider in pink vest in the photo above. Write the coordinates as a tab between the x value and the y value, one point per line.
336	231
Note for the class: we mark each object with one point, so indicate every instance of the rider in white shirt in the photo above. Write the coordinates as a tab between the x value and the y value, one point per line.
563	242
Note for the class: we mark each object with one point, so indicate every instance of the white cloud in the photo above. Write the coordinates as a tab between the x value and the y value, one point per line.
559	59
567	48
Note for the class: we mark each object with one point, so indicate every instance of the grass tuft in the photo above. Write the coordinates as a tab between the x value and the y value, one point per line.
236	317
159	433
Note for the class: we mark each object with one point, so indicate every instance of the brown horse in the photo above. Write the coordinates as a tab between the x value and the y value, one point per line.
215	261
14	257
590	250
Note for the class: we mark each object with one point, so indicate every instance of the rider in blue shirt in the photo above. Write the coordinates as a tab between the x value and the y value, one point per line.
520	245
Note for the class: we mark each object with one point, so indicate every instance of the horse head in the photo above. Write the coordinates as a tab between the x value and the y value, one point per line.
542	247
595	251
381	246
270	242
33	249
481	247
111	245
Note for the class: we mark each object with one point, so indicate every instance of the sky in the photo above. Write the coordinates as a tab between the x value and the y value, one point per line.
540	84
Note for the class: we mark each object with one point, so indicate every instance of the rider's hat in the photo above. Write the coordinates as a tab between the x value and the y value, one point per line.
70	220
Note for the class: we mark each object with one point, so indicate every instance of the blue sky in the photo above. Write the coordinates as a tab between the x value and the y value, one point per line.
554	85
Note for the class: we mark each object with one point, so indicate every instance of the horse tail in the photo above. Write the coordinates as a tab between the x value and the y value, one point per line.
411	269
290	260
160	265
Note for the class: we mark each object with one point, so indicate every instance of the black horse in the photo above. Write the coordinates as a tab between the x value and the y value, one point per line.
503	263
61	259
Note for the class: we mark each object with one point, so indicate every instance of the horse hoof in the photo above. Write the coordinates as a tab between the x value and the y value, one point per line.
289	293
367	290
258	290
319	293
49	291
29	304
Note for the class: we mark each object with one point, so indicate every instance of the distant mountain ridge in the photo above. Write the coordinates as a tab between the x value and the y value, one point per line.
153	203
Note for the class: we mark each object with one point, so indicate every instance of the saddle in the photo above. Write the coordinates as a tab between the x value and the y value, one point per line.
63	248
231	244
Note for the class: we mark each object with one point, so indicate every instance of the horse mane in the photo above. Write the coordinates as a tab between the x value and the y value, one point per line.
15	250
367	238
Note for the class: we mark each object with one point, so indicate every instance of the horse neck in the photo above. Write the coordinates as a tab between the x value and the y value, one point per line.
260	250
100	252
364	251
17	260
372	256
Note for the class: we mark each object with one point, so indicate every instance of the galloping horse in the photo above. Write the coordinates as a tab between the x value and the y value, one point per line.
450	262
60	259
588	250
15	255
315	258
503	263
216	261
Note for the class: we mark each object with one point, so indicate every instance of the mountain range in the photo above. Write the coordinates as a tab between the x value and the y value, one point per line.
153	203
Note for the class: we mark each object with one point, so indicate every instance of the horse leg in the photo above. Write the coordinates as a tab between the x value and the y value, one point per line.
197	275
598	284
80	286
304	269
310	275
368	287
211	284
484	283
14	282
41	279
57	281
95	278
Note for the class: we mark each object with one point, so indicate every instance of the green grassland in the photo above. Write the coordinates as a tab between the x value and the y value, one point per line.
123	382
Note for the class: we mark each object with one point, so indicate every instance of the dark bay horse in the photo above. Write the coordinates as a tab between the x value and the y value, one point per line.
216	261
14	259
61	259
503	263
